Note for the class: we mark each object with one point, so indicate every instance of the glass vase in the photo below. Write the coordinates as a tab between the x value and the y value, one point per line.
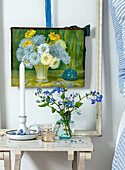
41	72
66	129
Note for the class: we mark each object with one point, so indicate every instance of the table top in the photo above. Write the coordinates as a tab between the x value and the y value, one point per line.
76	143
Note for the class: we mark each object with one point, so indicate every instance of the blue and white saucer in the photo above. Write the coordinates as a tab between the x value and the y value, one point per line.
12	135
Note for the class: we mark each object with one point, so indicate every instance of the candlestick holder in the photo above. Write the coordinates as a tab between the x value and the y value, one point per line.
22	126
22	133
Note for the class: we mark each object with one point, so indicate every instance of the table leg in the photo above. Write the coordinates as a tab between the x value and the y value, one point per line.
74	162
18	156
7	161
82	160
70	155
83	156
1	155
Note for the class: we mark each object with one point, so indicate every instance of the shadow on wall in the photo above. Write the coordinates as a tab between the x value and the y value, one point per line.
48	160
2	80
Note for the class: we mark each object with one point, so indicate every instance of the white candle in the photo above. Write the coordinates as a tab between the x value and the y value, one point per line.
22	89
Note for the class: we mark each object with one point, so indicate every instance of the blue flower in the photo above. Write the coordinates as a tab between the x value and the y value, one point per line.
53	99
43	97
21	131
29	49
26	60
93	101
74	96
59	52
54	82
54	89
65	58
54	51
39	89
70	84
34	58
98	93
98	99
51	92
38	40
101	96
93	92
62	90
58	90
78	113
13	133
20	54
46	92
37	101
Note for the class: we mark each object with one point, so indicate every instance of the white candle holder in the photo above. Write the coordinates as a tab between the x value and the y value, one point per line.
22	126
23	133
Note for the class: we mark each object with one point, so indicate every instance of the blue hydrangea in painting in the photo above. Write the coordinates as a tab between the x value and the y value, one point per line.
27	62
66	104
20	53
34	58
38	40
29	49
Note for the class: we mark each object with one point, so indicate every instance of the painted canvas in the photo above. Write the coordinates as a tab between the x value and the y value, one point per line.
49	54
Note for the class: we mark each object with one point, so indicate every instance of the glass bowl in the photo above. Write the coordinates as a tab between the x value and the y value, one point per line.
48	131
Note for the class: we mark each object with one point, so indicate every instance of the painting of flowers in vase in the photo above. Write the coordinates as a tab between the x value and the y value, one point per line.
49	54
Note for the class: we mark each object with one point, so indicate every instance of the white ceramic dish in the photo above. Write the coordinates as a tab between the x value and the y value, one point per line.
31	136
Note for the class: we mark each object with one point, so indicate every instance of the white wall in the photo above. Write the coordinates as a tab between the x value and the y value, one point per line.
31	13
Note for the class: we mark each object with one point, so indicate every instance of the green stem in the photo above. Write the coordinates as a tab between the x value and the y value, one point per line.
70	132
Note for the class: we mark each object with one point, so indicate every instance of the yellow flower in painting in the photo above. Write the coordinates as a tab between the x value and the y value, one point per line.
46	58
53	36
55	63
30	34
26	43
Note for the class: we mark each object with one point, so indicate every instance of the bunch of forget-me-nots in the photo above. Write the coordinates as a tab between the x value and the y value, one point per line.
65	105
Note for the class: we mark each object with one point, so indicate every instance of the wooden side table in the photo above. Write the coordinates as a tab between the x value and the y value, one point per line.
77	145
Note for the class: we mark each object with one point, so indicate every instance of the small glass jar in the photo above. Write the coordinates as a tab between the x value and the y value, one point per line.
66	129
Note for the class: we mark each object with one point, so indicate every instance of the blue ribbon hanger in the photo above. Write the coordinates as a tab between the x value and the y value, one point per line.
48	12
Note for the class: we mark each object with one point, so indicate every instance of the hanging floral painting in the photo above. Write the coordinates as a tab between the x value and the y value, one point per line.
49	54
